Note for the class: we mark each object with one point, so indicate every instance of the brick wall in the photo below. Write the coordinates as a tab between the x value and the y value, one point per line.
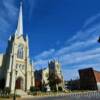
97	76
88	79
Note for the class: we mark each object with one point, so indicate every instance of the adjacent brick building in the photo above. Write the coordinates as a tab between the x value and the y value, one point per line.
89	79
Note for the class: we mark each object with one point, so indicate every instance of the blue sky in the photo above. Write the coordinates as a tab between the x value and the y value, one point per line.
66	30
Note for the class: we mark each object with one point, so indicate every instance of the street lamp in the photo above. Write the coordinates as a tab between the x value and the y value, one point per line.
14	97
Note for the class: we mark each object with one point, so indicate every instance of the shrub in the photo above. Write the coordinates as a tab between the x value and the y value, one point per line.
6	91
59	88
43	89
32	89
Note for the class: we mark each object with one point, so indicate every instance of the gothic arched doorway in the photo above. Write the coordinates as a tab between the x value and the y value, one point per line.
19	83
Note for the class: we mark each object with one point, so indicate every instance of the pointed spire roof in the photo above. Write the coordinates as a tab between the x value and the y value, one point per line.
19	30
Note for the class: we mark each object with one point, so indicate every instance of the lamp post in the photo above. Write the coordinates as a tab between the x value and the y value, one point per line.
14	97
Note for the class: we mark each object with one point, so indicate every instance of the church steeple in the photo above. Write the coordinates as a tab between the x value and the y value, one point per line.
19	30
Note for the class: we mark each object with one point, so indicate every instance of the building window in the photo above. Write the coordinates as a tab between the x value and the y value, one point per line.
20	51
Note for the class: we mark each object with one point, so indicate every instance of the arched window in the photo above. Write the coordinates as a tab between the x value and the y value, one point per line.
20	51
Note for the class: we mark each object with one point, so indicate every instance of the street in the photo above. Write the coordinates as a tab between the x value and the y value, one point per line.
94	95
64	98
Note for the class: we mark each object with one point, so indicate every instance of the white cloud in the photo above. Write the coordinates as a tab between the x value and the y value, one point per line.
84	35
8	18
81	51
76	57
91	20
31	6
76	46
68	55
45	54
41	64
9	13
89	29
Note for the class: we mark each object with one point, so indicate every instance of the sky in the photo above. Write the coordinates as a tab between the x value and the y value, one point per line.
65	30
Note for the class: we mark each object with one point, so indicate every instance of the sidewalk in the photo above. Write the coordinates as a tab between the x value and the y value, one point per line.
46	95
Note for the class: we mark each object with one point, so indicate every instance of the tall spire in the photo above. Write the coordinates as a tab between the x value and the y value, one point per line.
19	30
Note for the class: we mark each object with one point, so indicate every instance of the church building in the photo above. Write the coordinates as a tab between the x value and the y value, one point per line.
16	70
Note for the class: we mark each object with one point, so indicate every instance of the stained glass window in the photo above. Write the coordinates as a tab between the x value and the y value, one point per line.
20	51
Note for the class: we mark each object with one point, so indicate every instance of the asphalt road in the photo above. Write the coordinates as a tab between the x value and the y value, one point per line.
65	98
